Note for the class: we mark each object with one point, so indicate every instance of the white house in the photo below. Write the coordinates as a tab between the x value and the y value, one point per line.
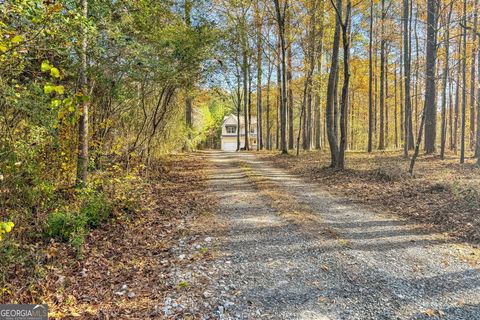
229	133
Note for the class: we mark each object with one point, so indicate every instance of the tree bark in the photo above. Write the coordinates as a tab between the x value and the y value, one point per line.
472	76
443	137
331	93
406	64
381	138
370	82
281	12
430	87
259	24
464	82
82	161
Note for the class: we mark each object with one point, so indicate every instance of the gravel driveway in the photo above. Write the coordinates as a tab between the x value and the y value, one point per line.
347	263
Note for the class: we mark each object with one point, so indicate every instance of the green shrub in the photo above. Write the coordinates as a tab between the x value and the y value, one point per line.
95	208
65	226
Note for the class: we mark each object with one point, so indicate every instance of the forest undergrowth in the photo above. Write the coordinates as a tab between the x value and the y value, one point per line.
121	265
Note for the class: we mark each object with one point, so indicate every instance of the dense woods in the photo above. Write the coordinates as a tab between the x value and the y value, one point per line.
94	93
359	75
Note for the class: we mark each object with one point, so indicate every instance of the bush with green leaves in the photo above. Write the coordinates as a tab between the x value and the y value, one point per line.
95	208
65	226
71	226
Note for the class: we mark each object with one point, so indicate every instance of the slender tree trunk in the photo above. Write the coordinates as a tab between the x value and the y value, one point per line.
268	124
188	88
307	94
445	84
464	82
279	93
401	80
381	141
288	30
246	93
318	100
370	82
387	95
477	147
406	65
239	107
472	76
259	24
345	87
450	114
395	105
430	87
331	93
281	12
82	161
457	96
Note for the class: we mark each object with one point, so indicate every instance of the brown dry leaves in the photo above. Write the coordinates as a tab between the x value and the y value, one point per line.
442	194
125	264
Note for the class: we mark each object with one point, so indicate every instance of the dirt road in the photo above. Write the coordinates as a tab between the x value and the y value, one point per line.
292	251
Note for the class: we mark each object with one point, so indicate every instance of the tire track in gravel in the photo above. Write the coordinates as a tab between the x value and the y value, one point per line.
349	263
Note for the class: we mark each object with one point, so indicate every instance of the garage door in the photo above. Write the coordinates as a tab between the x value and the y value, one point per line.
229	146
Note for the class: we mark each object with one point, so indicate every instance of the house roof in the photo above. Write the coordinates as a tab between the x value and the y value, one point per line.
232	119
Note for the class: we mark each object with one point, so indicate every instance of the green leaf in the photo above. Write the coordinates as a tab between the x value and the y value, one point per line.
9	226
3	48
48	88
54	72
46	66
17	39
59	89
55	103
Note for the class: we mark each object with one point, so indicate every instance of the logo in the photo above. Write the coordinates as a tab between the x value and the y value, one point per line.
23	312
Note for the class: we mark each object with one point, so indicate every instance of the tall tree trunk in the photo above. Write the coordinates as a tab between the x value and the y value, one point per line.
381	141
464	82
406	64
259	24
318	100
268	124
345	87
370	82
307	94
331	93
82	161
281	12
246	93
395	105
430	87
477	147
387	94
457	95
445	83
188	95
417	71
472	76
239	106
401	80
288	30
279	93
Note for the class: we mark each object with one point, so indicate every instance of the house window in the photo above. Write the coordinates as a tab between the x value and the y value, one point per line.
231	129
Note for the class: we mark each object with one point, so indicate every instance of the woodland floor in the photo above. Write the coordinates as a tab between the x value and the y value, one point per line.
444	195
236	236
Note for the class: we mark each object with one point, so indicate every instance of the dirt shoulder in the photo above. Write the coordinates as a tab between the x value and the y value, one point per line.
149	265
443	194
